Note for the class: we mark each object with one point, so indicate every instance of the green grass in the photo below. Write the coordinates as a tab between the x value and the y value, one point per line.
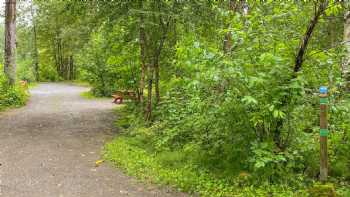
88	95
150	167
33	85
80	83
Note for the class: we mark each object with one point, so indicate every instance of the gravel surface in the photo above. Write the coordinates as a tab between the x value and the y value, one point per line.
49	148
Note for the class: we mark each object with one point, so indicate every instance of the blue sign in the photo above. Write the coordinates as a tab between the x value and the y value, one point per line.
323	90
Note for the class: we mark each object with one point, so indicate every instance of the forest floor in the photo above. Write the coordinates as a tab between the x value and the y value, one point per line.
49	148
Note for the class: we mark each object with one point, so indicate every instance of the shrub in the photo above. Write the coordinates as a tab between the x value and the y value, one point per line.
11	96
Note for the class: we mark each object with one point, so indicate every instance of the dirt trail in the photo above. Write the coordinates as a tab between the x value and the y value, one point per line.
49	148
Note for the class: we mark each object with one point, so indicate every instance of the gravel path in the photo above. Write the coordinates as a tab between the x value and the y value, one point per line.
49	148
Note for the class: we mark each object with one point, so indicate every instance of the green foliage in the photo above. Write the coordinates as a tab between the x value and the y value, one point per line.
25	71
160	169
87	95
325	190
11	96
247	111
221	112
105	71
49	73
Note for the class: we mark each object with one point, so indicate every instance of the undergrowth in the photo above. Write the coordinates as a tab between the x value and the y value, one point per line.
15	96
179	169
189	178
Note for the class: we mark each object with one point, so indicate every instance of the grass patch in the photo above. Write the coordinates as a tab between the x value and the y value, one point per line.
32	85
88	95
154	168
137	162
151	167
80	83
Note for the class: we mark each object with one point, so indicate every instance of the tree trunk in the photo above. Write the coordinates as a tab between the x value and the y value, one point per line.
142	59
36	53
59	56
10	41
345	66
157	54
150	94
156	81
72	70
305	41
69	68
277	135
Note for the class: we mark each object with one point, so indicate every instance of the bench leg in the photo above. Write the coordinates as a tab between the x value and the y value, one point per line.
115	101
118	100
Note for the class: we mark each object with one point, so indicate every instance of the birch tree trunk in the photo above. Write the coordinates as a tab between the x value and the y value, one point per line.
10	41
345	66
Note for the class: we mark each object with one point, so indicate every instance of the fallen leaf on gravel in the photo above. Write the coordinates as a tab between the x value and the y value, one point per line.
99	162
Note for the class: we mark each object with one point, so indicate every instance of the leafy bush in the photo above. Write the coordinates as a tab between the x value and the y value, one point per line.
11	96
104	70
226	118
25	71
49	73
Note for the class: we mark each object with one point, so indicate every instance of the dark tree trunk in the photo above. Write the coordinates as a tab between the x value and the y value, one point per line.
305	41
278	138
157	54
72	68
156	81
150	90
69	68
10	41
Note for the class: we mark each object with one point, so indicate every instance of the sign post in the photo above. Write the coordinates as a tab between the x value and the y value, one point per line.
323	134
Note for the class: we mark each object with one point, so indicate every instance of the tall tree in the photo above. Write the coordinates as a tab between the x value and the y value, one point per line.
35	52
346	62
10	41
299	59
142	56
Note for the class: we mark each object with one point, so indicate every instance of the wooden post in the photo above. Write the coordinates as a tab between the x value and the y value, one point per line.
323	134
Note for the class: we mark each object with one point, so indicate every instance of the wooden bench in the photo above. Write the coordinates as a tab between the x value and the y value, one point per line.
120	95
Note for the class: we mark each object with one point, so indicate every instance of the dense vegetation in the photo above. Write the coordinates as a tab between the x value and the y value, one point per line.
227	91
11	96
